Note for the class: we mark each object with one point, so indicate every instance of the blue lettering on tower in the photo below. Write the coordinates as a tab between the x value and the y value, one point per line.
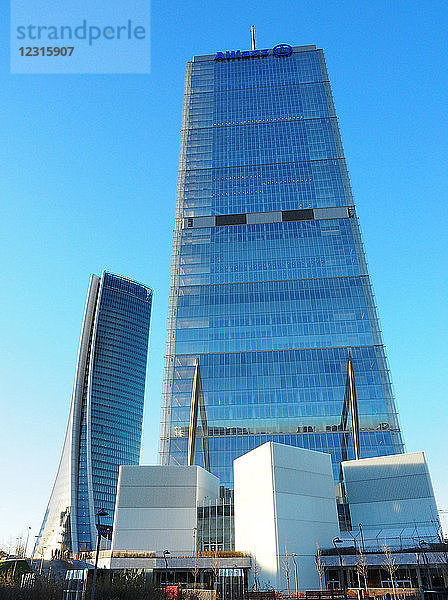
279	50
282	50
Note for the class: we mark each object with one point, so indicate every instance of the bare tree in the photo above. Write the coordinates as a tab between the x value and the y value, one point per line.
320	568
286	567
215	569
389	563
3	550
442	560
442	556
195	556
256	572
195	569
362	568
19	548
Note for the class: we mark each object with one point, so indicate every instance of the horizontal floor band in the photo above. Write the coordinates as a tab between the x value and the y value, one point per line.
278	216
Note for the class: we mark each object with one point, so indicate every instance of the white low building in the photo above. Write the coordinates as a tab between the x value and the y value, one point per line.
392	498
284	506
156	507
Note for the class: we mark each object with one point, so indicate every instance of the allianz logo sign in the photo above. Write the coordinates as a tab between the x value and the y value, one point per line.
279	50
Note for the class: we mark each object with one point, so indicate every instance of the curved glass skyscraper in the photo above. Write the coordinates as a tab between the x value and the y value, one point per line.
106	413
270	288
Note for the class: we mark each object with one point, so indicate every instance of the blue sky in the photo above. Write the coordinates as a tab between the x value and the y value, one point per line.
88	175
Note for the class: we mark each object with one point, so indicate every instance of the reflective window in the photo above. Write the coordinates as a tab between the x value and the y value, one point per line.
271	310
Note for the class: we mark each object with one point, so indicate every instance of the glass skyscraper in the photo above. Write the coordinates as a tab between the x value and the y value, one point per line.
106	414
270	288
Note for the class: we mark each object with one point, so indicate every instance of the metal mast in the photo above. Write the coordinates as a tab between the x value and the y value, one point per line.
252	33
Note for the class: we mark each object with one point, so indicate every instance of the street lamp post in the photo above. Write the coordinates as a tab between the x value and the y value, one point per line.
293	554
419	577
99	514
422	544
42	558
36	537
336	540
165	554
362	537
32	551
26	543
195	554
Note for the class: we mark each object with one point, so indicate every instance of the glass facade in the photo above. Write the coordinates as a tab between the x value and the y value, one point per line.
270	288
216	528
105	423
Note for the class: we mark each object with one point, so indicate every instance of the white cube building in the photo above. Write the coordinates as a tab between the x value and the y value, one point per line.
156	507
392	496
284	505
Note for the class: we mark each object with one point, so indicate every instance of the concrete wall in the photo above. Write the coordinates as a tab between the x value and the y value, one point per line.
388	493
284	501
156	507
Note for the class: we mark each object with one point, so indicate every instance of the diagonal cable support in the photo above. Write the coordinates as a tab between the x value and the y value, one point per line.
198	406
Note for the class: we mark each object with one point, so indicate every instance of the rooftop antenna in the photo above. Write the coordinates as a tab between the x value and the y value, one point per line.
252	32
